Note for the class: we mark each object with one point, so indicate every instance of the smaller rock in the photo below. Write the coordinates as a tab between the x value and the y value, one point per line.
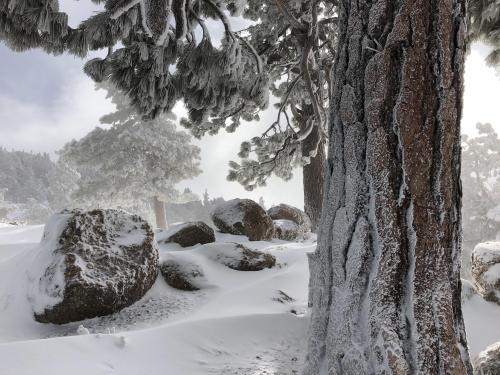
238	257
488	361
180	274
287	230
485	270
243	217
190	234
282	297
468	290
287	212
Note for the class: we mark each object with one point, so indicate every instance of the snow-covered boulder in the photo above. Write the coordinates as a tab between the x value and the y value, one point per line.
182	275
245	217
287	212
237	256
488	361
485	270
287	230
190	234
91	263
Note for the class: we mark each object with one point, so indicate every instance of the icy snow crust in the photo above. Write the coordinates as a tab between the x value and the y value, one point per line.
236	323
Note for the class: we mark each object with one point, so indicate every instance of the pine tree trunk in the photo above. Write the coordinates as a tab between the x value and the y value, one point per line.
385	279
160	214
313	177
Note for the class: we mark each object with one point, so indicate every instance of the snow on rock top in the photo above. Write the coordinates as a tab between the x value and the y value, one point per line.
91	264
486	270
488	361
243	216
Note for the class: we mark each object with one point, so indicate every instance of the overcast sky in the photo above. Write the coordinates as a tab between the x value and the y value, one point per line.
46	101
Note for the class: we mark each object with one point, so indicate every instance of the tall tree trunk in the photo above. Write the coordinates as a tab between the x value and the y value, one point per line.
313	174
160	214
385	279
313	177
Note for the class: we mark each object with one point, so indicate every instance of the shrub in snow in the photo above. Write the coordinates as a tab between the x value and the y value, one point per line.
486	270
243	216
238	257
287	212
287	230
488	361
91	264
190	234
182	275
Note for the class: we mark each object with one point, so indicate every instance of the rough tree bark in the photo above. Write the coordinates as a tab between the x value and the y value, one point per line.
385	279
313	176
160	214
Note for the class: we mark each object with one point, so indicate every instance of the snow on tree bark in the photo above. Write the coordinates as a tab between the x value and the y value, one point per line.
385	279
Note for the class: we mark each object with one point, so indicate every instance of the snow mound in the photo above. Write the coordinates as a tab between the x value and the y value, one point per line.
486	270
91	264
243	217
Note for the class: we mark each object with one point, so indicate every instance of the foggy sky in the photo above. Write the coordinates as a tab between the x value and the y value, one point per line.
46	101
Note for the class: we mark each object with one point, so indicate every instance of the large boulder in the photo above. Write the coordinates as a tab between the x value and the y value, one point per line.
287	230
243	217
237	256
485	270
183	275
190	234
488	361
287	212
91	264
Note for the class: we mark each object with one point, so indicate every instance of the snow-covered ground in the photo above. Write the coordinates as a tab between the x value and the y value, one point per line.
240	323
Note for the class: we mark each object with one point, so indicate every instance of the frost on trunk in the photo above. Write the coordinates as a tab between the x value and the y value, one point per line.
160	214
385	279
313	177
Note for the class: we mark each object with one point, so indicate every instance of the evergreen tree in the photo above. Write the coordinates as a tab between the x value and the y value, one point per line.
133	162
481	189
154	55
25	176
485	26
33	186
296	41
206	198
385	281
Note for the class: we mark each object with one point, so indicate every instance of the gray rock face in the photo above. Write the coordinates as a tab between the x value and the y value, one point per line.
92	263
243	217
182	275
287	212
485	270
488	361
190	234
238	257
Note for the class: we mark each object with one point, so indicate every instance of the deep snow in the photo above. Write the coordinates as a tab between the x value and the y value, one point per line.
240	323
